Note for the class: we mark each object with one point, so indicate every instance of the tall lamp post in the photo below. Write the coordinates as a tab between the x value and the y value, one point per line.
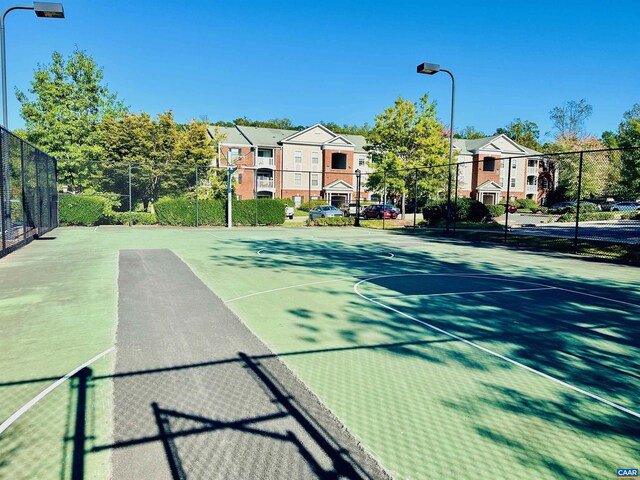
431	69
358	175
41	9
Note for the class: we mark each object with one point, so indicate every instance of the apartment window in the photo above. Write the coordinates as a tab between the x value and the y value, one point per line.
297	179
513	164
314	179
501	181
362	161
545	184
513	182
239	179
489	164
314	161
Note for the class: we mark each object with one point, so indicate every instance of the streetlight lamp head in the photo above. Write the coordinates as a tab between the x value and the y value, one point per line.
48	9
428	68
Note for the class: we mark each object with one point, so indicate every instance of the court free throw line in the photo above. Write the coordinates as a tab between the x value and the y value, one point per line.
484	349
9	421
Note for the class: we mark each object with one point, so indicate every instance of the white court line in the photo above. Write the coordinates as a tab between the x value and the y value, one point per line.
466	293
95	229
388	255
486	350
9	421
286	288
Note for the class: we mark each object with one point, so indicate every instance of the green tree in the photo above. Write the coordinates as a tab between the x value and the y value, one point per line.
628	136
69	102
469	133
407	136
162	155
524	132
568	120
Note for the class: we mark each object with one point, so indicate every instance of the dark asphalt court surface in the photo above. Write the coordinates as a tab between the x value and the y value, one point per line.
198	396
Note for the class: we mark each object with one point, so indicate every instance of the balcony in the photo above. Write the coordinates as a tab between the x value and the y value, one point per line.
265	182
532	188
268	162
532	170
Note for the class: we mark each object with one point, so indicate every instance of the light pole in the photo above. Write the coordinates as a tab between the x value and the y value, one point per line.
431	69
42	9
358	175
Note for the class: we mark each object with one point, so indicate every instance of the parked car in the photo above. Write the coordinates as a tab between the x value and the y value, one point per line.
324	211
350	209
625	206
289	211
559	205
380	211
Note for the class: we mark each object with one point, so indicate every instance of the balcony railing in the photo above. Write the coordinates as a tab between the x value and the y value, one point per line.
532	170
265	182
532	188
265	162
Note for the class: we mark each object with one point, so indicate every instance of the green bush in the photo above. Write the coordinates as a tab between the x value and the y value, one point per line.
182	211
261	211
527	203
495	210
464	209
586	216
84	210
332	222
306	206
137	218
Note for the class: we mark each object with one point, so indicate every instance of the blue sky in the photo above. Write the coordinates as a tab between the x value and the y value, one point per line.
345	61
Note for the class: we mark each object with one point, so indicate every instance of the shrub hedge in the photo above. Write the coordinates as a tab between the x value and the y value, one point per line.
137	218
182	211
593	216
495	210
465	209
332	222
527	203
306	206
84	210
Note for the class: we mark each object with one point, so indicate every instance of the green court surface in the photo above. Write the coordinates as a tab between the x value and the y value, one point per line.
445	359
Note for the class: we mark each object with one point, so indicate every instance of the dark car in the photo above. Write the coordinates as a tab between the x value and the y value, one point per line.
379	211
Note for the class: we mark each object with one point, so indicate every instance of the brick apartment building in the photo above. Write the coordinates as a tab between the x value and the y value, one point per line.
317	163
314	163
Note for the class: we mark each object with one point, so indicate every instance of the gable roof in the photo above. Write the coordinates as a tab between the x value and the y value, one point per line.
339	140
339	185
231	135
307	130
489	185
261	136
470	146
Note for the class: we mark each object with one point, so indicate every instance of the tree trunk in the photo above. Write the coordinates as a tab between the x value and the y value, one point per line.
403	205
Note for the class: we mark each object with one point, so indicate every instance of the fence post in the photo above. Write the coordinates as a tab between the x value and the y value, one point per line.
130	222
23	193
308	191
506	217
415	199
455	203
575	238
197	196
2	170
384	196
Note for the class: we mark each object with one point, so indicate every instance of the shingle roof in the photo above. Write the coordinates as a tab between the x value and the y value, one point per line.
466	146
261	136
231	135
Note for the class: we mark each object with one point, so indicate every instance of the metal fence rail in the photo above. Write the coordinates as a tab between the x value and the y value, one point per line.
28	193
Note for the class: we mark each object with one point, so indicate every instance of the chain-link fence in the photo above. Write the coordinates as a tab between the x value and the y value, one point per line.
28	195
582	202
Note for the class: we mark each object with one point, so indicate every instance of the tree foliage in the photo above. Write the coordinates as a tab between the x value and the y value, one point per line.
469	133
524	132
69	101
628	136
568	120
163	156
407	136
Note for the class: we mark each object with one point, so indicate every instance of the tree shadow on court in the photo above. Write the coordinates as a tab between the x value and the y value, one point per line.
584	339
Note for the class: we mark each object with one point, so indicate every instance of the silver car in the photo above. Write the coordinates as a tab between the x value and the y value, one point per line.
324	211
621	206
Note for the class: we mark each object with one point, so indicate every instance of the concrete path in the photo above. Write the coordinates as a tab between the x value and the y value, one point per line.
198	396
